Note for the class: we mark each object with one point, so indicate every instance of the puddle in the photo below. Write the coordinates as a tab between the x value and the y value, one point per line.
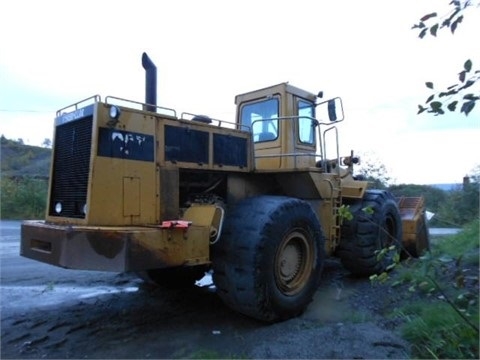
15	297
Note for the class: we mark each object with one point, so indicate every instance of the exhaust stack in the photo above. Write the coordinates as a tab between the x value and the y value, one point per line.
150	82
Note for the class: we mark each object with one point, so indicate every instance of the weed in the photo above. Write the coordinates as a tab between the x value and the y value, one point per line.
444	324
437	331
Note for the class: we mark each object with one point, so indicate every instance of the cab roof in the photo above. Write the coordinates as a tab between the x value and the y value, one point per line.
281	88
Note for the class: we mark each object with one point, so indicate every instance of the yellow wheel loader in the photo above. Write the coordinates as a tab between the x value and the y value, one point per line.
136	187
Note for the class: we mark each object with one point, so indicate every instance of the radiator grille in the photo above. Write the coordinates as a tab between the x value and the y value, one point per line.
71	165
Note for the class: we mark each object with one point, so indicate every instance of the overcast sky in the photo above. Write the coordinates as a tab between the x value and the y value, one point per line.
55	53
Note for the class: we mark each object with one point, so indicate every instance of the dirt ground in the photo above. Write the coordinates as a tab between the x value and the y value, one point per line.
49	312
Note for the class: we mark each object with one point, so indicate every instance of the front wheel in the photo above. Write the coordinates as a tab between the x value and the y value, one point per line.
267	264
376	225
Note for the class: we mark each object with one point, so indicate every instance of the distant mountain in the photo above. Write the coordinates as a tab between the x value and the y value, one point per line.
447	187
18	159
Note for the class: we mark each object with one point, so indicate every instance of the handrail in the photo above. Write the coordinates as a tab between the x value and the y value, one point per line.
144	105
219	122
337	147
294	155
96	98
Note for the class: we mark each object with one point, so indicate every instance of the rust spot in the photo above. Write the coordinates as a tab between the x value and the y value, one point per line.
107	243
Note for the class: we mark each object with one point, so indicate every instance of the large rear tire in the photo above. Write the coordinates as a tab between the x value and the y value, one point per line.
376	225
268	262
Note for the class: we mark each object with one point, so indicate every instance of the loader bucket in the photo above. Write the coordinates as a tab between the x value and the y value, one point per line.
416	238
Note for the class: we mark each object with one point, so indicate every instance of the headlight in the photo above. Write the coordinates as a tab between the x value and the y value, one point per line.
114	112
58	207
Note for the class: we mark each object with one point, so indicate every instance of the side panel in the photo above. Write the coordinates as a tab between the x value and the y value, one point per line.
124	176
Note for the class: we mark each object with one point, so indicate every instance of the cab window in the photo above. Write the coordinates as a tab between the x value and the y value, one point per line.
306	122
262	118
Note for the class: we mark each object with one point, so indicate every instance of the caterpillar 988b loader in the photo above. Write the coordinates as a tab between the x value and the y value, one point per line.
136	188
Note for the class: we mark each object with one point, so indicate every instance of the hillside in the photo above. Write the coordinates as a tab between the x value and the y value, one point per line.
18	160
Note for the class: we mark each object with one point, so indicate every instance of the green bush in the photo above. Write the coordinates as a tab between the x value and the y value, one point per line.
23	198
444	322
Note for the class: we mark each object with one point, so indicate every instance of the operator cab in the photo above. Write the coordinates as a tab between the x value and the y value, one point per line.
284	126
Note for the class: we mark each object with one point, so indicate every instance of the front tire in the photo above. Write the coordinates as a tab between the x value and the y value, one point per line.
376	225
268	262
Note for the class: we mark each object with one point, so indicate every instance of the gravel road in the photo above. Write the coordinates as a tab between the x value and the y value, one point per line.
49	312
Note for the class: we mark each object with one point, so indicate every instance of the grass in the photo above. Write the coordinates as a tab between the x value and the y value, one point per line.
443	322
437	331
465	244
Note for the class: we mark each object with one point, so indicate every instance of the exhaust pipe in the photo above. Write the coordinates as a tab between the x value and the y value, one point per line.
150	83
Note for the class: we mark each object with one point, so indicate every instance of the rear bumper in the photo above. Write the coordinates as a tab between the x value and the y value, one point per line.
113	248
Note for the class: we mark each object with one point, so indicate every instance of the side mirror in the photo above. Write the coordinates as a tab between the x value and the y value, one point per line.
331	109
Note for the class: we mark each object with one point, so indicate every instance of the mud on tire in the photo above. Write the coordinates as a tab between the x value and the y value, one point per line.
369	232
268	262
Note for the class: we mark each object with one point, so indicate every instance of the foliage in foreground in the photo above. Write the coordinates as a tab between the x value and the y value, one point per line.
463	95
444	323
438	332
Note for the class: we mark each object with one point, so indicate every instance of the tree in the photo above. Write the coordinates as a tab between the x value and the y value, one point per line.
372	169
463	95
47	143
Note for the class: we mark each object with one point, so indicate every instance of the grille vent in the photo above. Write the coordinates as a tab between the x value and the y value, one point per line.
71	165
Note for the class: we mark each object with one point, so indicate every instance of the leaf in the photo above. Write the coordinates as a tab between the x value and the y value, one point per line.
436	106
467	84
390	267
368	210
452	106
453	14
421	109
429	84
430	98
428	16
455	23
422	33
471	97
420	25
467	107
461	76
468	65
433	30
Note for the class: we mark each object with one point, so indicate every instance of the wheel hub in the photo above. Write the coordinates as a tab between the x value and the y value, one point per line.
290	261
293	263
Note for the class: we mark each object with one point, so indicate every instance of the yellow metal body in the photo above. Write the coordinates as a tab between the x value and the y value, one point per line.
112	248
142	168
415	230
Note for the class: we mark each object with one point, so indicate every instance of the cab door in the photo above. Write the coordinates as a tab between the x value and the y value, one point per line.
305	134
261	116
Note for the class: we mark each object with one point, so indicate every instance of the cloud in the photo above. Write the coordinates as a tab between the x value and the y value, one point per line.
206	52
